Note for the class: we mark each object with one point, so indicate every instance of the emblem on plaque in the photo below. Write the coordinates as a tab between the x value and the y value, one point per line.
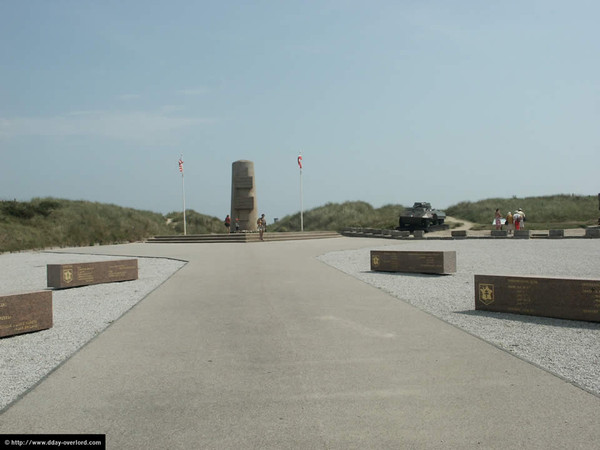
67	275
486	293
375	261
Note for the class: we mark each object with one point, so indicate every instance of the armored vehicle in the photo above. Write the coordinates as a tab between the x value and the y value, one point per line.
422	217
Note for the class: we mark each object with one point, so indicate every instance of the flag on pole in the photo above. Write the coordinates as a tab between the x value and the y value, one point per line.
182	193
301	200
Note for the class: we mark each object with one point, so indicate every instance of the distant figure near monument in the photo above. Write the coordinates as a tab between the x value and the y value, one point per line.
243	195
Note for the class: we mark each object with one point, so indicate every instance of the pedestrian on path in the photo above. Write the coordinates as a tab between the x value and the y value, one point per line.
228	223
262	226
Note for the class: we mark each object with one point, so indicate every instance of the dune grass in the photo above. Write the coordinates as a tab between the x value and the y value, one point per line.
195	223
555	211
42	223
49	222
542	213
335	216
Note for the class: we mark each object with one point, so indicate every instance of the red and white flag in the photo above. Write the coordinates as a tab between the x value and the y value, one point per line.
300	161
181	165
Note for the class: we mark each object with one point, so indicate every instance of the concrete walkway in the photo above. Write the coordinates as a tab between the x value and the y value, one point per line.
262	346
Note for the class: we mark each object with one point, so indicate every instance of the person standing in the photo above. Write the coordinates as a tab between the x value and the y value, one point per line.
517	219
237	225
510	223
522	214
262	226
498	217
227	223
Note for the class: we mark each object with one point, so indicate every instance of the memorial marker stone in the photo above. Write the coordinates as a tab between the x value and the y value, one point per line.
549	297
592	233
83	274
24	313
521	234
413	262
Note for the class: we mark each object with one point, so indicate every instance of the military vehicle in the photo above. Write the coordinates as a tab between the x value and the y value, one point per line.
422	217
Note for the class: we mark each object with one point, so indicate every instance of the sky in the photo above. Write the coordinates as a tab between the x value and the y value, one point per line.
390	102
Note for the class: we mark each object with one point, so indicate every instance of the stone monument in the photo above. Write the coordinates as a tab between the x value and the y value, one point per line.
243	195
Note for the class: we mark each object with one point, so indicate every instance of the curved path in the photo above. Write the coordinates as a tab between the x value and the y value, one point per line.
464	224
258	346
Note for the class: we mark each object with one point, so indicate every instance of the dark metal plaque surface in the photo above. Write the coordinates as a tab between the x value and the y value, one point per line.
414	262
549	297
24	313
82	274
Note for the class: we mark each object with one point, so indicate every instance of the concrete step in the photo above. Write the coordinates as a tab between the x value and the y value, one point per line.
241	237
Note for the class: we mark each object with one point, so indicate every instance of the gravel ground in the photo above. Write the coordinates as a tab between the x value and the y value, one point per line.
79	313
570	349
567	348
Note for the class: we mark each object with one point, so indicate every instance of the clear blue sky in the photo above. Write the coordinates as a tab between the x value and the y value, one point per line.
389	101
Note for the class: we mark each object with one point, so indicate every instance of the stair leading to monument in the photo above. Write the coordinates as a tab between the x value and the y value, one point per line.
241	237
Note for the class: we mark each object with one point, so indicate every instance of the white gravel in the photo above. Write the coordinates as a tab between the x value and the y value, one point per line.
567	348
79	313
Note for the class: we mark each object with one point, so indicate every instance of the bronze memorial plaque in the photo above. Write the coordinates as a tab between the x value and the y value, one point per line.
24	313
549	297
414	262
83	274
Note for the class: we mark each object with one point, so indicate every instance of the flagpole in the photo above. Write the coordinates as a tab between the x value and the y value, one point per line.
183	193
183	190
301	195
